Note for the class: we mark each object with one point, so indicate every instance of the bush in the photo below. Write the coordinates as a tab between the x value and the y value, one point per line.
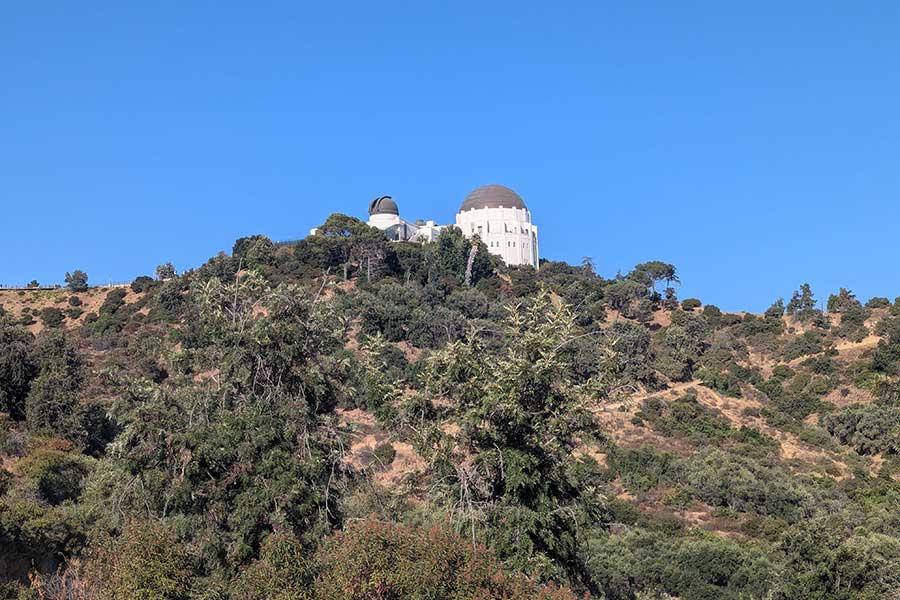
385	454
5	481
690	304
142	284
741	483
640	469
57	476
52	317
378	560
808	343
878	302
636	563
868	429
145	562
75	301
282	572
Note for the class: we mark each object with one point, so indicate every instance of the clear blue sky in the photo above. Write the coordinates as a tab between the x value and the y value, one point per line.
754	146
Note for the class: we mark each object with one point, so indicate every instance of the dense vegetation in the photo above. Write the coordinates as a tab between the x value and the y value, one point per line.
347	418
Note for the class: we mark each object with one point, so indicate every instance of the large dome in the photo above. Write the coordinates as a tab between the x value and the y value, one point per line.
492	196
383	206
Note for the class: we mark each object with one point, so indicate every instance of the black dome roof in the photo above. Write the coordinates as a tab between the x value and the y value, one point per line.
383	206
492	196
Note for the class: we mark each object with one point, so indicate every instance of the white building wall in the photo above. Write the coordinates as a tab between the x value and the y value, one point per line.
507	232
383	220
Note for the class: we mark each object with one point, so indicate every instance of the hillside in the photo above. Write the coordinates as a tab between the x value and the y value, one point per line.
273	424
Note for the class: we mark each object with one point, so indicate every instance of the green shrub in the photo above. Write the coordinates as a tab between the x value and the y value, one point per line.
640	469
690	304
52	317
869	429
283	571
385	454
636	563
809	342
145	562
142	284
57	476
380	560
5	481
878	302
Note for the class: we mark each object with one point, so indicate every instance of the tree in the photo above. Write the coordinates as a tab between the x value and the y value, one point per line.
255	251
686	340
77	281
17	367
53	394
842	301
802	303
165	271
690	304
878	302
455	258
260	451
588	265
352	242
622	292
142	284
651	273
776	311
503	454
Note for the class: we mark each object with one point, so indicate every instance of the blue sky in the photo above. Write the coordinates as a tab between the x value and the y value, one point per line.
754	146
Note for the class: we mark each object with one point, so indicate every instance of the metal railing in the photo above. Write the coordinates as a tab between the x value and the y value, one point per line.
25	288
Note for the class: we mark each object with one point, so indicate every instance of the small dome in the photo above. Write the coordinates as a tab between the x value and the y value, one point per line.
492	196
383	206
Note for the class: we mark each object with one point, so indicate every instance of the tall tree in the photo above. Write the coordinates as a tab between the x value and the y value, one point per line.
503	450
802	303
842	301
77	280
250	449
53	395
17	367
652	273
165	271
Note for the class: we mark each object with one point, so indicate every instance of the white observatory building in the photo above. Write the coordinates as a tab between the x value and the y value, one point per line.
500	218
494	213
